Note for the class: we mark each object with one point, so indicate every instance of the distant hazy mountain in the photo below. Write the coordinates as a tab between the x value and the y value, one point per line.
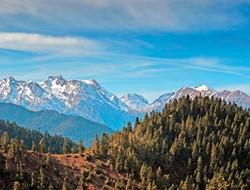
74	127
72	97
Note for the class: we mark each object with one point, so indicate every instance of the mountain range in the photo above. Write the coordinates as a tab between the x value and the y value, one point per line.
238	97
71	97
86	98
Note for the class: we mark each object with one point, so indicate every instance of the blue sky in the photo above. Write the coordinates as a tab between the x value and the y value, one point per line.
144	46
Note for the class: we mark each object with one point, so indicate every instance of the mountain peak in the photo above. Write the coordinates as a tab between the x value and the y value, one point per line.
10	79
60	77
52	78
135	101
203	88
92	82
134	96
58	80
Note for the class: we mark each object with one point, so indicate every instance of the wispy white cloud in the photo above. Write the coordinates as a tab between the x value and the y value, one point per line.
99	62
165	15
210	64
48	44
84	57
217	65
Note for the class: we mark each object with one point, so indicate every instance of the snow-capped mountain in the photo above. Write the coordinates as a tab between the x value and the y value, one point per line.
160	102
135	101
204	90
73	97
239	97
28	94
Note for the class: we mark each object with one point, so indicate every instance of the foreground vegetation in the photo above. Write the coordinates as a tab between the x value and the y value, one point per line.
193	144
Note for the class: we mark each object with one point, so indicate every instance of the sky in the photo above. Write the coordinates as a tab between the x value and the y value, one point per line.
148	47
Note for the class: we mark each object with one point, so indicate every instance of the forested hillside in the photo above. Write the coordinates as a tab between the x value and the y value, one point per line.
193	144
53	144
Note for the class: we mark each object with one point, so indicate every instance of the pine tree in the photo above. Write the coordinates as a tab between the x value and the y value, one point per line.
11	149
16	185
4	140
47	161
96	145
41	179
32	179
80	147
149	186
34	148
74	149
143	172
107	180
104	144
187	185
129	127
154	186
64	187
159	175
129	184
65	147
51	187
42	146
7	166
21	170
22	145
217	182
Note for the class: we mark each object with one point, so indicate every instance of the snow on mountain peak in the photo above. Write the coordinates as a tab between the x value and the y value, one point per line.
134	96
92	82
135	101
203	88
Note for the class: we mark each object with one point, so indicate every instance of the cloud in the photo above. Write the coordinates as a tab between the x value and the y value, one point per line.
81	57
48	44
133	15
201	63
217	65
